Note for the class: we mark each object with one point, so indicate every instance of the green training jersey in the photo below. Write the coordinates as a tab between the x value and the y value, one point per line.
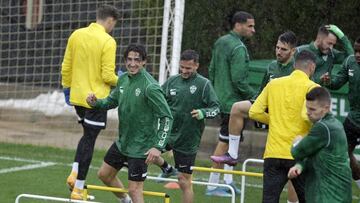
183	96
144	116
325	161
325	62
276	70
229	71
350	72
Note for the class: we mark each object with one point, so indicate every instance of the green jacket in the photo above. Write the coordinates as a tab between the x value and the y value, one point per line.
229	70
350	72
276	70
325	162
183	96
144	117
324	63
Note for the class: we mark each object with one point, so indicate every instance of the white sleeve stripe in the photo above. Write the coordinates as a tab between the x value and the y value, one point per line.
328	131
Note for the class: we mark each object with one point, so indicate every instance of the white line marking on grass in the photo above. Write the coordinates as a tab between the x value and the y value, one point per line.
27	167
37	164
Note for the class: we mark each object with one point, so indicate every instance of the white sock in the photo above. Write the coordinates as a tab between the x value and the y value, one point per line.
75	167
234	145
125	199
228	178
79	184
214	178
292	202
357	183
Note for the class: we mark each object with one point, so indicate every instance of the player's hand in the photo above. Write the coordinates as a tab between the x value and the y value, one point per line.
294	172
335	30
152	155
325	78
67	95
197	113
91	99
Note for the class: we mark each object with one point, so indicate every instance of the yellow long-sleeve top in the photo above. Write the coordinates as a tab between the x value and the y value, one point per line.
285	100
89	64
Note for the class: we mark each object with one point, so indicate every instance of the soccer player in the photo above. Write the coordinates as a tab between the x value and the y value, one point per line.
350	72
228	73
284	99
282	66
144	124
192	99
322	154
89	66
323	49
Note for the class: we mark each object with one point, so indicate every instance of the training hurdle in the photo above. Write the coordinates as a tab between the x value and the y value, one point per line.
115	189
242	197
198	183
58	199
242	173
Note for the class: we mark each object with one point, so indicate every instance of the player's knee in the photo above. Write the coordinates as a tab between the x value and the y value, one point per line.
104	176
134	191
184	180
235	109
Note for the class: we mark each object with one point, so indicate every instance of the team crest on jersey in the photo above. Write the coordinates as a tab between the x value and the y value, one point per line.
351	72
193	89
121	89
172	92
137	92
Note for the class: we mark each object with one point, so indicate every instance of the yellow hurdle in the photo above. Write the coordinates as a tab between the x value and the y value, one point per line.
115	189
243	173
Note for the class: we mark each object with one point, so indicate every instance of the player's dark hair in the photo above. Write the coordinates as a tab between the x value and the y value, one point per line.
289	38
304	58
106	11
189	54
240	17
138	48
357	40
323	30
320	94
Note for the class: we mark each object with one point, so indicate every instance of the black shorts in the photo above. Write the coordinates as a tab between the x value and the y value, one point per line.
224	128
276	176
137	168
94	118
352	133
184	162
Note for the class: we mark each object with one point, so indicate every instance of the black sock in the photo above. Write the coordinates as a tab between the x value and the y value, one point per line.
166	168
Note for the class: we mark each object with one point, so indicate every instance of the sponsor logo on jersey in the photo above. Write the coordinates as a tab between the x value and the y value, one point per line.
193	89
137	92
172	92
351	72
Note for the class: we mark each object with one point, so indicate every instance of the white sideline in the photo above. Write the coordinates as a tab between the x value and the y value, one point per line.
27	167
17	200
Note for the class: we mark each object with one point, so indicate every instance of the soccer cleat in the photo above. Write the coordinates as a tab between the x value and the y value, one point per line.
224	159
218	191
167	174
236	189
70	181
80	194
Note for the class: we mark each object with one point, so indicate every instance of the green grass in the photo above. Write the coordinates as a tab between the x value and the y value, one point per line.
50	180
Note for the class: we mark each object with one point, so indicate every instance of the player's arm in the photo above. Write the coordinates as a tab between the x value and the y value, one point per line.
211	101
258	109
108	63
162	111
318	138
66	66
239	71
338	80
341	55
265	80
109	102
211	68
